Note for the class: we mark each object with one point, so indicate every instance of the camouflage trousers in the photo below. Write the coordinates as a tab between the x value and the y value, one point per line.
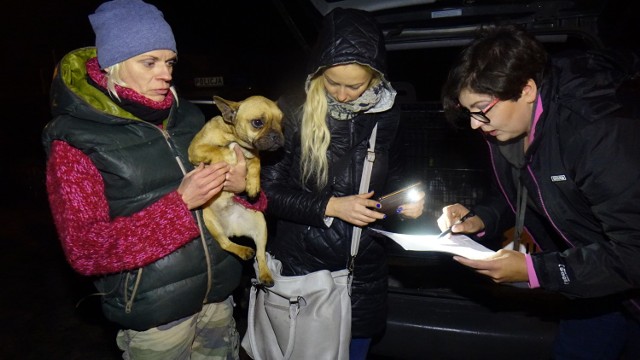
209	334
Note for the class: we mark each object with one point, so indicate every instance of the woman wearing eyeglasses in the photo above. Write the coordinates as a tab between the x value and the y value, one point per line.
566	160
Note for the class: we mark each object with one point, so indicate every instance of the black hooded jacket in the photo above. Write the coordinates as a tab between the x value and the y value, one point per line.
582	173
302	241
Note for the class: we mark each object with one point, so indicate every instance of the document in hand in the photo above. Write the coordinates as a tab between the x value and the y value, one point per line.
456	244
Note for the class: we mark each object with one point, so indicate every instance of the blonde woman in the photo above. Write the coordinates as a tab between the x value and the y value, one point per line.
312	184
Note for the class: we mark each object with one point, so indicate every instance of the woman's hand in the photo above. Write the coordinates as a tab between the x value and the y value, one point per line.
504	266
354	209
414	209
453	213
236	180
202	183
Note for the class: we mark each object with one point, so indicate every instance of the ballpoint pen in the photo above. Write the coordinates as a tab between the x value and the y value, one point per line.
459	221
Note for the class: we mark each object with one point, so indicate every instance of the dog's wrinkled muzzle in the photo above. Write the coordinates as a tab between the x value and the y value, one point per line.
271	141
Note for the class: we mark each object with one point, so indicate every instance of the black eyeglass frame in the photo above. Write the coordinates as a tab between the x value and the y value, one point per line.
482	114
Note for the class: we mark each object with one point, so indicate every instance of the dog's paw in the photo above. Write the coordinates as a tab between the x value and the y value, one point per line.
252	191
246	253
265	279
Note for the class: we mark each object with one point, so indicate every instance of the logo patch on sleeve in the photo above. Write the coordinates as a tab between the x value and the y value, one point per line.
556	178
564	274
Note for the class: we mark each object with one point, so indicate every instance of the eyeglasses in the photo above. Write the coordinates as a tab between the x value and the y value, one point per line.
482	114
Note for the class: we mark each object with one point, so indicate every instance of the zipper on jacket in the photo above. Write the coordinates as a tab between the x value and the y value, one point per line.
538	191
352	168
200	221
129	301
502	190
544	208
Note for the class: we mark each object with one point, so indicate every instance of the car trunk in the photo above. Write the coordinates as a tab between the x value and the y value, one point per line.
438	308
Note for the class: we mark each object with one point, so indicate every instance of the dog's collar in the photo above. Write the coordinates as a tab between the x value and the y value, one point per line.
258	205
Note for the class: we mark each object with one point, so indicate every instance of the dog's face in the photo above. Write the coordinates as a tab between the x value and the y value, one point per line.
257	122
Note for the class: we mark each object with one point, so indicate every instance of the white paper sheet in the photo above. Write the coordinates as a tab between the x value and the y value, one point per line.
455	244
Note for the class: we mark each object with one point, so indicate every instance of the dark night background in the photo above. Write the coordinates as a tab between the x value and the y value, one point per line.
248	42
39	290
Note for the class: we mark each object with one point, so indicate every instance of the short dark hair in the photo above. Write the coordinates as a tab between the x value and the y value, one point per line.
498	62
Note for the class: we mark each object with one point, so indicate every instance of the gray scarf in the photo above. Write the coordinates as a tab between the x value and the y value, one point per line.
348	110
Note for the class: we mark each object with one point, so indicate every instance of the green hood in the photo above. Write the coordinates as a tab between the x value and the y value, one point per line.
71	94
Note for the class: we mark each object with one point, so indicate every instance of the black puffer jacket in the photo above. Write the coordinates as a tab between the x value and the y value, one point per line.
581	171
302	241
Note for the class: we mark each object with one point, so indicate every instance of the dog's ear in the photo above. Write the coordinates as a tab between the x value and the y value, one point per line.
228	108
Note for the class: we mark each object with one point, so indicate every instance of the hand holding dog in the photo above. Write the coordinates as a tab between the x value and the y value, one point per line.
236	137
202	183
354	209
236	178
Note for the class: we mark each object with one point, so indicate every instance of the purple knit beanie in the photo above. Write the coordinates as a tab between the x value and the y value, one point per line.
126	28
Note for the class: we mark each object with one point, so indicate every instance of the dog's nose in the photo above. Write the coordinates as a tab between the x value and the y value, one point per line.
271	141
277	138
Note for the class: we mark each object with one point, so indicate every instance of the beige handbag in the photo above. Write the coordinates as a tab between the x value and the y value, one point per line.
300	317
307	316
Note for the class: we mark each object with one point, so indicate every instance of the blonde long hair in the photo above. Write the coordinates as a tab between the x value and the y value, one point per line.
315	136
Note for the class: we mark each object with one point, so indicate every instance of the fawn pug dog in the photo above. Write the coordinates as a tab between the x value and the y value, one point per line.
254	124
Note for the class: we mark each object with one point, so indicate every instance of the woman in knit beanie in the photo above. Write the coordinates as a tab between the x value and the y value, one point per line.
124	197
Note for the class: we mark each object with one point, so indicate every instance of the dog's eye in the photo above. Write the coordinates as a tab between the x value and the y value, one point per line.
257	123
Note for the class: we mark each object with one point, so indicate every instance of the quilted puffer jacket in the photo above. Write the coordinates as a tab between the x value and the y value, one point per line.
139	168
301	239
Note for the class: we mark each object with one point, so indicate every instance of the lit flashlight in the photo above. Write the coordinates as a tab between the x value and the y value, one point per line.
413	195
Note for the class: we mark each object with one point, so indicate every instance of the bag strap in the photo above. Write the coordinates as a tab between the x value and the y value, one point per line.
364	187
294	310
251	318
295	303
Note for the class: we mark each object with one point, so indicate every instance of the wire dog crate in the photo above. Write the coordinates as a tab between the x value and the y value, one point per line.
450	161
449	186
